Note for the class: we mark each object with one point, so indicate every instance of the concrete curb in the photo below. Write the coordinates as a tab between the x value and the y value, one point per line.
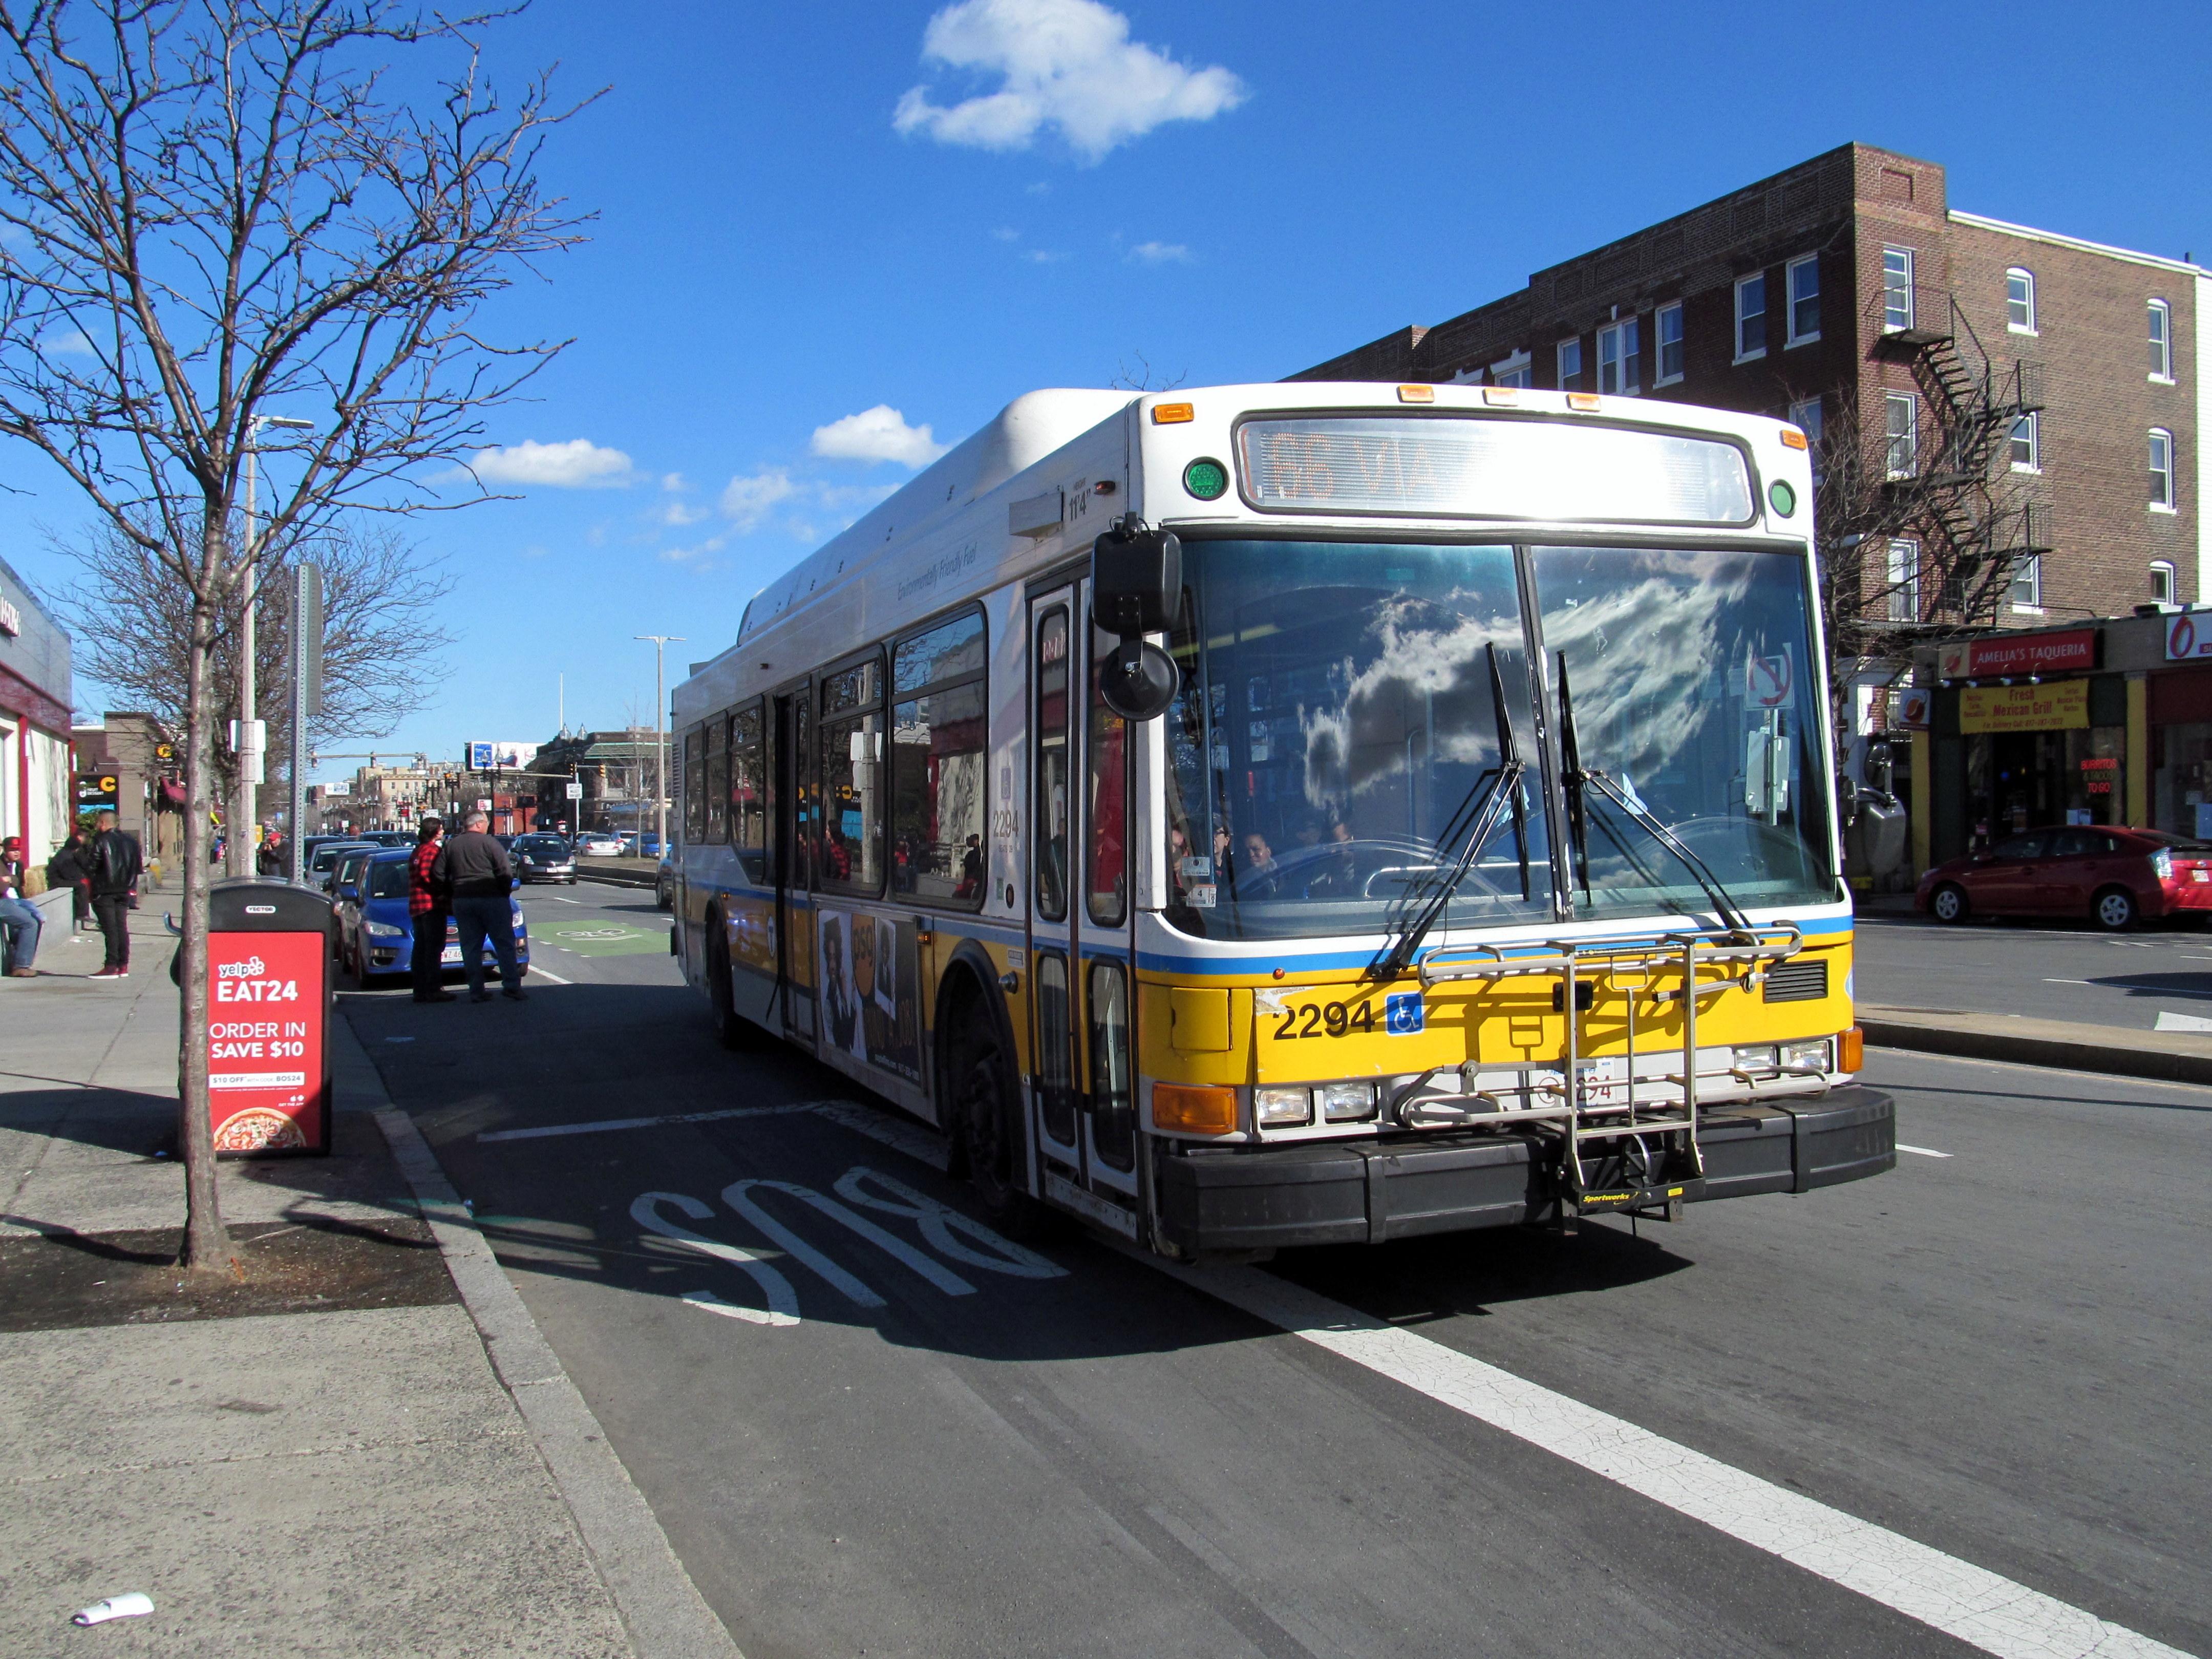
2161	1056
662	1610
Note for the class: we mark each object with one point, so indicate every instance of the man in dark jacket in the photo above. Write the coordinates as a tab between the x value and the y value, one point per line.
112	860
427	909
477	873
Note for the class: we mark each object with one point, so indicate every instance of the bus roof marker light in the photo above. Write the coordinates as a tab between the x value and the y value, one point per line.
1792	438
1785	498
1500	397
1417	394
1586	401
1173	414
1206	479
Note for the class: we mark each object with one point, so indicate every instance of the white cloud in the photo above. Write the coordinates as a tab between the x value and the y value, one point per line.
1037	256
673	481
577	464
698	557
747	500
1004	234
1161	254
880	433
1063	64
676	512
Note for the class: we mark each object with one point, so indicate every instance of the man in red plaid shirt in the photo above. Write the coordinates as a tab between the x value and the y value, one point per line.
427	907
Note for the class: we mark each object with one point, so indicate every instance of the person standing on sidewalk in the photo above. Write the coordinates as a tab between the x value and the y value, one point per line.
20	920
113	860
67	869
426	909
477	872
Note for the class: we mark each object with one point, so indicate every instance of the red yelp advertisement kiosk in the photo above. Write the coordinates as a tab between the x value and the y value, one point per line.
270	999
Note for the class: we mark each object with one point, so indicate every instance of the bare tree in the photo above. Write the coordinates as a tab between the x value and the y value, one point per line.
133	625
210	211
1145	378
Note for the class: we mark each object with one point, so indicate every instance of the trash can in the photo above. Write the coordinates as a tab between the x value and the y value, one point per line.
269	1001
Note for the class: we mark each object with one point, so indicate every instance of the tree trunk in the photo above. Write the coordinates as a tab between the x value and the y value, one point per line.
207	1247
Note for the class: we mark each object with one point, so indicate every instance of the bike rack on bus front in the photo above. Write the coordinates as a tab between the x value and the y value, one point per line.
1631	967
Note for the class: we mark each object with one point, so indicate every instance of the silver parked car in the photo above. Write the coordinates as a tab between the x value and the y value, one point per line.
543	858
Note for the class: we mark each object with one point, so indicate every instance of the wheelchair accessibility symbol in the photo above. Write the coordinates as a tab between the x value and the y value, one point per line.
1402	1013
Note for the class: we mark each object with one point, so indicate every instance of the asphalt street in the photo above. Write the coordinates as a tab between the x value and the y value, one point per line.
2157	977
869	1427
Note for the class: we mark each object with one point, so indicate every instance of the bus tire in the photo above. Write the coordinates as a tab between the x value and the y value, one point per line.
731	1029
986	1119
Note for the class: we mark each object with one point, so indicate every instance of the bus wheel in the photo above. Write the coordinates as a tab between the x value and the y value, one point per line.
732	1028
985	1119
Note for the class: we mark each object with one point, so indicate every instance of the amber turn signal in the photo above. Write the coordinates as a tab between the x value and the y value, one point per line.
1417	394
1172	414
1583	400
1851	1051
1194	1111
1792	438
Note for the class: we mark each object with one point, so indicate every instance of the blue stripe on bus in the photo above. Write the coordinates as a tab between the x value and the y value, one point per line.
1829	928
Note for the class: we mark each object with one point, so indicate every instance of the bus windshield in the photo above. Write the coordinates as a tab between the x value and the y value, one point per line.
1337	737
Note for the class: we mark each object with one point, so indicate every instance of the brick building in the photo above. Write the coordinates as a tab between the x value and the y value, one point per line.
2008	423
1820	294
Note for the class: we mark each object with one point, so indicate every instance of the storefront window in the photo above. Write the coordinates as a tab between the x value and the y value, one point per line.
2181	778
2018	780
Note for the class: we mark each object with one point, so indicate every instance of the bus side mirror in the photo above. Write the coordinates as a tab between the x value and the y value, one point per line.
1136	586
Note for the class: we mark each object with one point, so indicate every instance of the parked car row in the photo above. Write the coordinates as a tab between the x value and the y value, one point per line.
376	934
2114	877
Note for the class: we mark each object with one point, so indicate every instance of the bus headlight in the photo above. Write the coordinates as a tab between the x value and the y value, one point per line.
1281	1107
1347	1103
1813	1056
1758	1057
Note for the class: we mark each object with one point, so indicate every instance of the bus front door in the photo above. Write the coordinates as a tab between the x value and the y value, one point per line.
794	866
1055	1098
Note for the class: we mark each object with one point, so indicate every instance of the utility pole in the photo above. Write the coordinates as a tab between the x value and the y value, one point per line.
307	700
660	642
249	745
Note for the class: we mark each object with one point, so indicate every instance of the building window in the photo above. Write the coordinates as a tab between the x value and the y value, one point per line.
2162	470
1806	417
2020	301
2027	443
1804	276
2161	342
1617	346
1570	362
1896	289
2027	583
1751	318
1669	324
1904	580
2161	581
1513	371
1901	413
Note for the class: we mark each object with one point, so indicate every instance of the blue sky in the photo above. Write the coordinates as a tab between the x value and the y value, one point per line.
807	221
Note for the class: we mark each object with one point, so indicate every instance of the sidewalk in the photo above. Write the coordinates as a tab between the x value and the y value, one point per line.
315	1456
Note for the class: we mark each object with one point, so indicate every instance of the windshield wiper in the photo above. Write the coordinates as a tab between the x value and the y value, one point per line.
1577	778
1485	801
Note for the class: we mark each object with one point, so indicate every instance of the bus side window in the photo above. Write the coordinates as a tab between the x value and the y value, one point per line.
1052	780
802	792
715	784
695	794
1113	1110
1108	885
749	794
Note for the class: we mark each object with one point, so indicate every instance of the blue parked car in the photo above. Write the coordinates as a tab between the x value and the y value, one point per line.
376	936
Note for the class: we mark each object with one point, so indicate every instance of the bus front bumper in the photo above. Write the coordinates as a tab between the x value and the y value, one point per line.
1365	1192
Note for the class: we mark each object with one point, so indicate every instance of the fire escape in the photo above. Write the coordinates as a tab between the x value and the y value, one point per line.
1946	489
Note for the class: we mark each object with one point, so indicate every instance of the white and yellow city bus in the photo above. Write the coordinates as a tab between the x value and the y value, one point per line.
1287	814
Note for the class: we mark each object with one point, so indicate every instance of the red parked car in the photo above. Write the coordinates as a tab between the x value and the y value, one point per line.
2113	876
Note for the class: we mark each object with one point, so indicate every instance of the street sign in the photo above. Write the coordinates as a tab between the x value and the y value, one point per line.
575	790
97	792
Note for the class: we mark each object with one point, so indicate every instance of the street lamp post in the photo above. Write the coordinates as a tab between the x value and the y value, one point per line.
660	642
249	747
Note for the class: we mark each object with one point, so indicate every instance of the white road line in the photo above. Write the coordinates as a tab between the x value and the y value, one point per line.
2070	982
556	978
1979	1607
557	899
603	1124
1923	1151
